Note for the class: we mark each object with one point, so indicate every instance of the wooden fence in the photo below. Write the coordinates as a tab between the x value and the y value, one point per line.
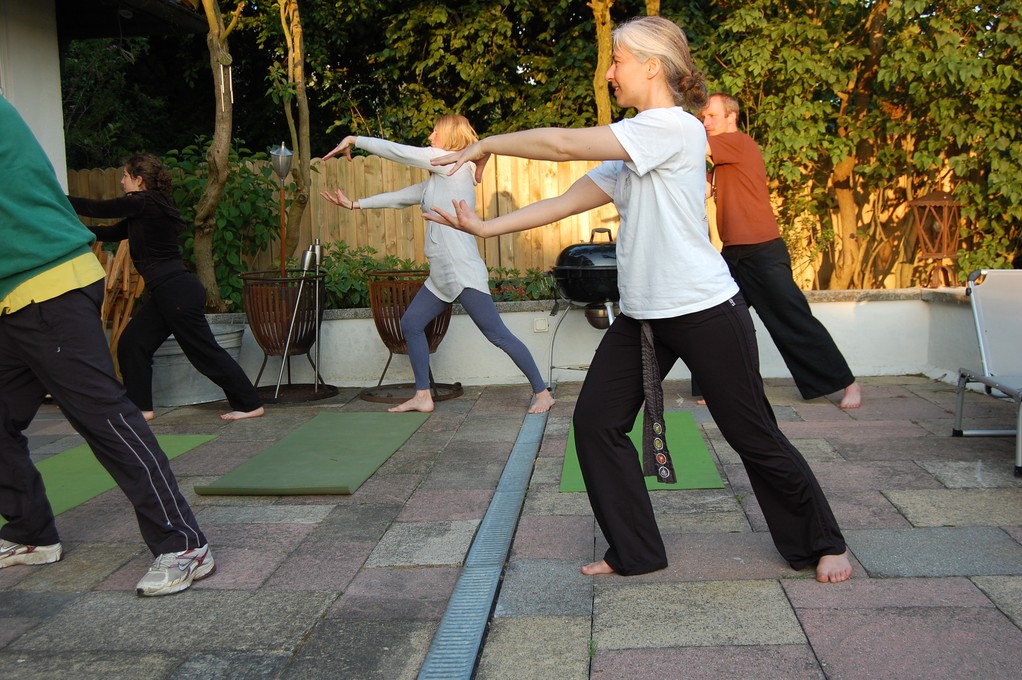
509	183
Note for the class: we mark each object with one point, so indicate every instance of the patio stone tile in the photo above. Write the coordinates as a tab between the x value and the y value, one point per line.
278	513
843	476
324	566
15	626
553	447
960	507
542	587
397	593
234	665
719	557
120	622
82	568
479	473
879	593
426	505
791	662
356	523
424	543
47	666
913	642
236	569
215	457
941	551
536	647
546	499
383	490
703	522
864	510
547	471
715	613
498	429
927	448
693	501
393	649
813	449
545	537
1005	592
981	474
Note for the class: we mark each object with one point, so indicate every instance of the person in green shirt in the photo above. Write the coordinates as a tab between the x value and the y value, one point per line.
52	342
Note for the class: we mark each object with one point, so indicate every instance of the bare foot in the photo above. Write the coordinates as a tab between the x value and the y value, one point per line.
834	568
700	402
543	402
148	415
241	415
596	568
852	397
421	402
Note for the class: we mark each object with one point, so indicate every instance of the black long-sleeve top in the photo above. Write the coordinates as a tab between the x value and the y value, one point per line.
151	223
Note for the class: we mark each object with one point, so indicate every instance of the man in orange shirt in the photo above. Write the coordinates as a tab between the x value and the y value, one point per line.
760	262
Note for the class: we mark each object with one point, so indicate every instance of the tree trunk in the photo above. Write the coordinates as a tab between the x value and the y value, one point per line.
219	151
302	169
604	55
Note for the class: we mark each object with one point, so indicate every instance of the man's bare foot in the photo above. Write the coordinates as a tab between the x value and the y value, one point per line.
700	402
421	402
596	568
241	415
148	415
852	397
834	568
543	402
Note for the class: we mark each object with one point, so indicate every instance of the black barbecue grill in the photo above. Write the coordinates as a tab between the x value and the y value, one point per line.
586	277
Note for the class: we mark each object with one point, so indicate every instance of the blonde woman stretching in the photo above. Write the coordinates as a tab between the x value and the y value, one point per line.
456	271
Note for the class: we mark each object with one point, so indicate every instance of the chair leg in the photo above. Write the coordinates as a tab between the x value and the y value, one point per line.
389	357
1018	437
956	427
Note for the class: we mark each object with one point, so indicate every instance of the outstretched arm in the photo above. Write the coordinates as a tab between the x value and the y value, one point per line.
541	144
344	147
583	195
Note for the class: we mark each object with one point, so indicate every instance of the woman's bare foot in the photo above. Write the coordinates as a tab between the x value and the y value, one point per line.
852	397
148	415
700	402
834	568
421	402
596	568
543	402
241	415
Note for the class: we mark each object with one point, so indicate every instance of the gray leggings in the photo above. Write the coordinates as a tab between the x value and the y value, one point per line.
426	306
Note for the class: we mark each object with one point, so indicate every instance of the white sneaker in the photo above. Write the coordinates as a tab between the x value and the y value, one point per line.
16	553
173	572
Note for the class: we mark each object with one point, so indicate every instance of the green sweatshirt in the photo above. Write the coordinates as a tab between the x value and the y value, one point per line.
38	227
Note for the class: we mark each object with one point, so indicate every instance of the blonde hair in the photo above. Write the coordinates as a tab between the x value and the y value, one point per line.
660	38
456	132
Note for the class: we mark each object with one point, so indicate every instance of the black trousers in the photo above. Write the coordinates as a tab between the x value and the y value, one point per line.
177	305
763	272
719	346
59	347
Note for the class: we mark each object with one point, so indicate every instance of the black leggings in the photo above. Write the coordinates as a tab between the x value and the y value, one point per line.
177	305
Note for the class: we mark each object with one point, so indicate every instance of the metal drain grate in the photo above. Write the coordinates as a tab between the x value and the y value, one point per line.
456	643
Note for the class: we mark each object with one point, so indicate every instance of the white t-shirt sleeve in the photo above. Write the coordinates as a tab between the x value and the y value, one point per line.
642	137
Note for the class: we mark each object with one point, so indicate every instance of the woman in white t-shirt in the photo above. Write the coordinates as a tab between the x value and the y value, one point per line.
677	298
456	270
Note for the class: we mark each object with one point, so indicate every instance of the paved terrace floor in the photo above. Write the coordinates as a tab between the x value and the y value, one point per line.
356	586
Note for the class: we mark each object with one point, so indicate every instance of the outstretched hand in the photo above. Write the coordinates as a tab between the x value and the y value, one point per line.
463	218
473	152
338	198
344	147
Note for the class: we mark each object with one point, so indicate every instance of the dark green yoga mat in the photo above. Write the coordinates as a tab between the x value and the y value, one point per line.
334	453
692	461
75	476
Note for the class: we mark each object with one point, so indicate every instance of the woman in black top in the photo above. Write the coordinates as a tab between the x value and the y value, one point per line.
176	299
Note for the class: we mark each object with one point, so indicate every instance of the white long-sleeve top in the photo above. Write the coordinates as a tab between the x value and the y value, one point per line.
454	260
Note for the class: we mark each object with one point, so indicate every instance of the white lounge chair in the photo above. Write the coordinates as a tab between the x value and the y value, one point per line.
997	309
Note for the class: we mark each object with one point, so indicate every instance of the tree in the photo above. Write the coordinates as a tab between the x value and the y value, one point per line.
863	106
218	155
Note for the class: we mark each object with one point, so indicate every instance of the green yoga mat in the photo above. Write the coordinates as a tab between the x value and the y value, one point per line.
692	462
75	476
334	453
